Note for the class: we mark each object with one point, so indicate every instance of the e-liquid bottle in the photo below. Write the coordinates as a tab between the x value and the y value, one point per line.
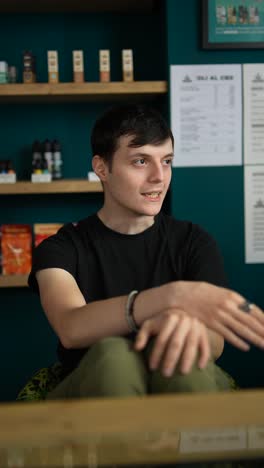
36	157
9	167
57	160
47	153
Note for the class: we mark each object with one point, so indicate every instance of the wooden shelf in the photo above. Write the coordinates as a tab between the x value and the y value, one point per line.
58	186
74	6
80	91
13	281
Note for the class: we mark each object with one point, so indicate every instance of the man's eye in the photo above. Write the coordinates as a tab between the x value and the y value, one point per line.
168	162
140	162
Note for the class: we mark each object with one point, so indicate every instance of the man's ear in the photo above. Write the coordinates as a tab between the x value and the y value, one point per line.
100	167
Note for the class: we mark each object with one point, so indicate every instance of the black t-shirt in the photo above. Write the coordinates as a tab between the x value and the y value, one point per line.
107	264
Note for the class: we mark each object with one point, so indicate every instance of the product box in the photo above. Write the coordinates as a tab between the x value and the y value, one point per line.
43	231
53	66
3	72
7	173
93	177
127	65
16	248
78	68
104	65
29	67
41	178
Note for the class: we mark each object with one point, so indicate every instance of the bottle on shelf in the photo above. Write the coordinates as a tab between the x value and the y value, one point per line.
9	167
47	154
36	157
12	74
57	160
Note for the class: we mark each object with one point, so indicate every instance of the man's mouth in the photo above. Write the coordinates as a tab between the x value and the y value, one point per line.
152	195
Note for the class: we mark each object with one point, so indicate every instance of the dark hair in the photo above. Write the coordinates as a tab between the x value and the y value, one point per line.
144	123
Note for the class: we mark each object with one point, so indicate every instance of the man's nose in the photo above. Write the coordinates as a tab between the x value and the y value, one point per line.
156	173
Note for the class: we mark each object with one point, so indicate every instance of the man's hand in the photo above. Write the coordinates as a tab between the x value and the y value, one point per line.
180	340
218	308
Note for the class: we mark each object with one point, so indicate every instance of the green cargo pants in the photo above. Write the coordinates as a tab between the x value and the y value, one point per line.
112	368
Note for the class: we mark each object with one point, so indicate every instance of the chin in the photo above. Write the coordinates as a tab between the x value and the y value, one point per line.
152	211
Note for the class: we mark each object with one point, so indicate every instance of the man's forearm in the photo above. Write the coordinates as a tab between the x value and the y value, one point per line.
85	325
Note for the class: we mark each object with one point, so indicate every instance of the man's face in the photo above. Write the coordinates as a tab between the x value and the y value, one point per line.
139	178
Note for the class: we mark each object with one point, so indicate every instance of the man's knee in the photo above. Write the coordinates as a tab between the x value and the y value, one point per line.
197	380
112	367
112	343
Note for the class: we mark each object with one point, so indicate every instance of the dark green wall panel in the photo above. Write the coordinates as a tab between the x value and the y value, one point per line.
213	196
27	341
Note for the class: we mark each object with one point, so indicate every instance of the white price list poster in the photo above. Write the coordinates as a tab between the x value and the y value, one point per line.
254	213
206	114
253	90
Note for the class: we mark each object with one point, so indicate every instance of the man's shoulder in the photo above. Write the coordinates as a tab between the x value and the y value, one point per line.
75	228
184	229
180	225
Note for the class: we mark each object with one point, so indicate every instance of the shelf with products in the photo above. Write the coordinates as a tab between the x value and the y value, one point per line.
58	186
150	87
13	281
80	91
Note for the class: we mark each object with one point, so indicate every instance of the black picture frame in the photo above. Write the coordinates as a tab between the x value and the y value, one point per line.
209	44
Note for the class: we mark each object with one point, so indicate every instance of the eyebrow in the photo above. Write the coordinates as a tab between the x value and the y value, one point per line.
144	155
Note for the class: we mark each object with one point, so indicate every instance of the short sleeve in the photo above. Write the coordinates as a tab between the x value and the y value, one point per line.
57	251
204	261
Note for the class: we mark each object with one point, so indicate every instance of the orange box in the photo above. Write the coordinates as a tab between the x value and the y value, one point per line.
16	246
43	231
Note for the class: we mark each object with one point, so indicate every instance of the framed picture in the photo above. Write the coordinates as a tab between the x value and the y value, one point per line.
233	24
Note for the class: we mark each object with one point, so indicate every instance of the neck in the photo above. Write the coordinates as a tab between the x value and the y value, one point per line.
125	225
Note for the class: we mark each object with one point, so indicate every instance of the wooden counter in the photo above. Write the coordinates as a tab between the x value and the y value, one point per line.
153	430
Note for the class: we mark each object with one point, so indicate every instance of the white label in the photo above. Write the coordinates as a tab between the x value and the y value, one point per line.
92	177
7	178
256	437
40	177
226	440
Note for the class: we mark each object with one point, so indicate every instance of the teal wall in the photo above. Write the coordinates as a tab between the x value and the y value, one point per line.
26	340
213	196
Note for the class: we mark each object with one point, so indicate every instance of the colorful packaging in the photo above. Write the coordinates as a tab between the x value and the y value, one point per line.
16	247
42	231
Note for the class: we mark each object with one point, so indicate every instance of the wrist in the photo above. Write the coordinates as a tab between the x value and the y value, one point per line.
172	294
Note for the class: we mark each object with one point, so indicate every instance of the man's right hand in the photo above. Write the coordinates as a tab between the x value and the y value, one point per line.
179	341
219	309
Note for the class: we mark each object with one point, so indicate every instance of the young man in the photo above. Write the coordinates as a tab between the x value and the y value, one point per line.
137	298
